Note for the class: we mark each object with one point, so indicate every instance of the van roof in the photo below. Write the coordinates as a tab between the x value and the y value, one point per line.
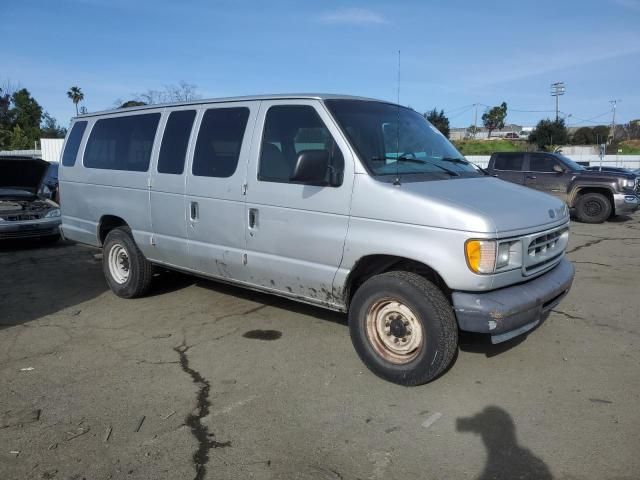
282	96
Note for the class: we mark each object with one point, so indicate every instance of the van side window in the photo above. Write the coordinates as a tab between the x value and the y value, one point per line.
122	143
73	144
541	163
175	142
512	161
219	141
288	131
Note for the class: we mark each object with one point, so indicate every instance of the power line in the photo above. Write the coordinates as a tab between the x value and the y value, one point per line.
461	113
589	120
459	108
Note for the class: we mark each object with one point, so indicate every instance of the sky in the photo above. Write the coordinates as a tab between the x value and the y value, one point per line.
453	54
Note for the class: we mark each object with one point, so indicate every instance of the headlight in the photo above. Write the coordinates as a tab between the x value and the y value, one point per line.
490	256
53	213
629	183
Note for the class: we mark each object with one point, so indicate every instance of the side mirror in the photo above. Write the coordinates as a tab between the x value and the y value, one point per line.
558	169
311	168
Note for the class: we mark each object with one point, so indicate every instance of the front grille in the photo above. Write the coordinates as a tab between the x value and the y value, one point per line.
22	216
545	250
28	233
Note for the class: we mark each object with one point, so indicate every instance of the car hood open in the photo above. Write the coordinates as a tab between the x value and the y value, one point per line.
22	173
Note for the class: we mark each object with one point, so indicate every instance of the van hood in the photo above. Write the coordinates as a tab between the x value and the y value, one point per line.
510	207
22	173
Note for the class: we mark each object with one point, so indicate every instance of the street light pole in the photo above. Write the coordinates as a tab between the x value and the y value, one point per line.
557	89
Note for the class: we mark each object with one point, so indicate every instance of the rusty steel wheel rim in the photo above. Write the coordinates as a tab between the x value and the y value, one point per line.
394	331
118	261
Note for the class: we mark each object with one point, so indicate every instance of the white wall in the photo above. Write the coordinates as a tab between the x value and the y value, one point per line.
51	149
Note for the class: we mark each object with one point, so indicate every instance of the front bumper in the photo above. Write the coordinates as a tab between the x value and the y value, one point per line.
512	311
43	227
625	203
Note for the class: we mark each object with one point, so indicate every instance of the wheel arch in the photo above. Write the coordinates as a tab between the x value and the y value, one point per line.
584	189
371	265
108	223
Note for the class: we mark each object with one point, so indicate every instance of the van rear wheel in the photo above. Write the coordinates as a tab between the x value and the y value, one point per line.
127	271
403	328
593	208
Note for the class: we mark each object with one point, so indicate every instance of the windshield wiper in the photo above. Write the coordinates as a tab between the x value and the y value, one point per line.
455	160
464	161
416	160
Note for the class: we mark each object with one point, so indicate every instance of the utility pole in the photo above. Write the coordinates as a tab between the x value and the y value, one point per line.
475	121
557	89
613	121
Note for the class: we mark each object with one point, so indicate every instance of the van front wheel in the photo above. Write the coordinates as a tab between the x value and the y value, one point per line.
127	271
403	328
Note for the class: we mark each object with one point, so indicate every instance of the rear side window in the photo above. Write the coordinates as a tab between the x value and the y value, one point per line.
122	143
288	131
73	144
175	142
509	162
541	163
219	141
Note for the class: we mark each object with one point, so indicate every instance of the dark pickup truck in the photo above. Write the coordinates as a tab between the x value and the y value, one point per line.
593	196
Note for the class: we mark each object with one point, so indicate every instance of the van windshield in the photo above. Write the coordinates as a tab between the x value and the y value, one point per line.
397	140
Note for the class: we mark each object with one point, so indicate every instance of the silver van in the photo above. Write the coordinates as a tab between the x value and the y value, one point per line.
352	204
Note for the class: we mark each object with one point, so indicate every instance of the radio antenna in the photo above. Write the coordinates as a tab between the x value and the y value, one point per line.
397	180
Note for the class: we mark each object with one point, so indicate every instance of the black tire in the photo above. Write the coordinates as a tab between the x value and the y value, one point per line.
139	269
593	208
430	309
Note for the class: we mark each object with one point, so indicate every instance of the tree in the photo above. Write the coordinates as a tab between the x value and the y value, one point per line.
438	120
19	139
493	118
27	114
472	129
50	128
583	136
182	92
549	133
6	121
629	131
131	103
76	96
601	133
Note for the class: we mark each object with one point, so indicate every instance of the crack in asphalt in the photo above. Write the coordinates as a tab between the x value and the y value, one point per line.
568	315
588	244
593	263
194	420
600	240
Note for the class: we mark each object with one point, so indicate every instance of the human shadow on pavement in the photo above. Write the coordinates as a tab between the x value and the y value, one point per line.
506	459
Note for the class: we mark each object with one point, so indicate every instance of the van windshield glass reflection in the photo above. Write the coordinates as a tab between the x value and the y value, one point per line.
392	140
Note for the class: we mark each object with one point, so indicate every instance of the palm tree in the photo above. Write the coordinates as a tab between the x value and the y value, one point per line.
76	96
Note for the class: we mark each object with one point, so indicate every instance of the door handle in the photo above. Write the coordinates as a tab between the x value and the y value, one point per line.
532	177
253	218
194	211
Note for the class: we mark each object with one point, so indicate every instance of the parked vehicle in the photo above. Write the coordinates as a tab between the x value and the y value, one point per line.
24	213
356	205
597	168
512	135
50	182
593	196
